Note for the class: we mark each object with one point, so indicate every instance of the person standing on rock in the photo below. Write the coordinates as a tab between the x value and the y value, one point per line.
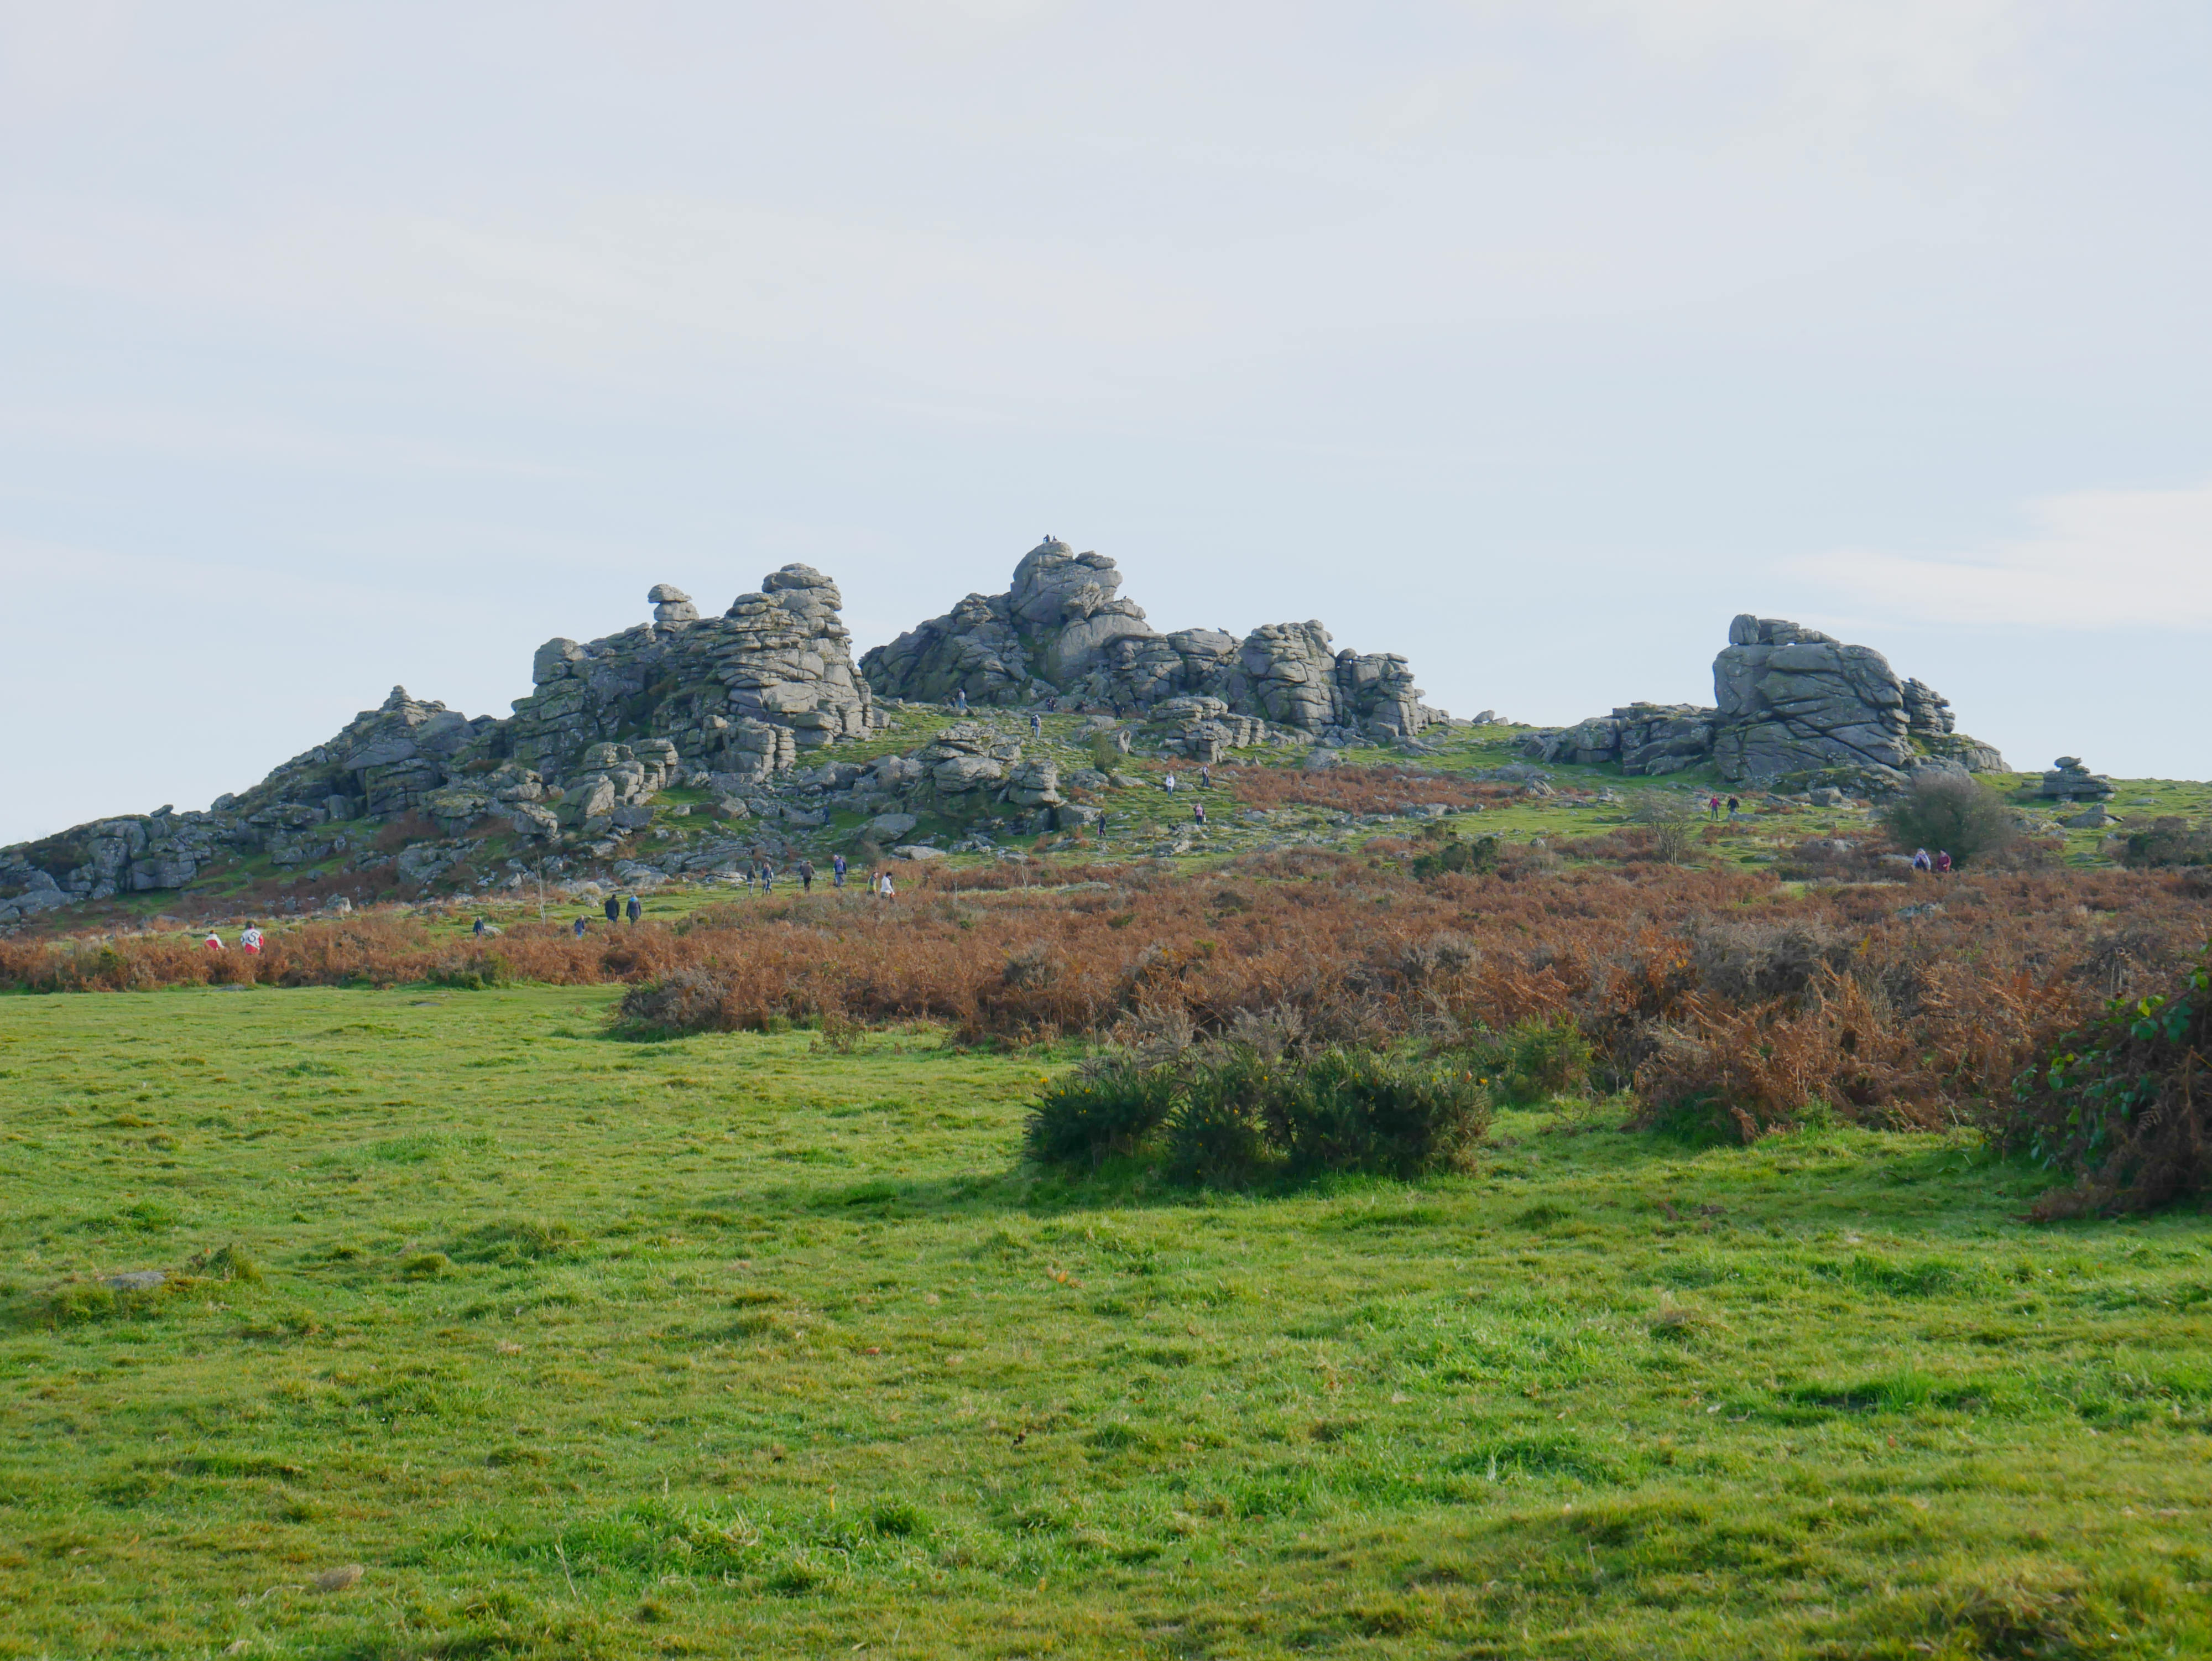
633	908
614	908
836	870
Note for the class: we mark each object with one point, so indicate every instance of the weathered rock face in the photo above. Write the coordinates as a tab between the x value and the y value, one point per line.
1790	702
2068	780
739	693
1063	636
1793	700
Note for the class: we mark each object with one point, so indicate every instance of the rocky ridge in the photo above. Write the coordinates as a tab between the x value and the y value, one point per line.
730	707
1063	638
1792	706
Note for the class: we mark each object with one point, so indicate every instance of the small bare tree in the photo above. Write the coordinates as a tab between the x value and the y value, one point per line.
1672	820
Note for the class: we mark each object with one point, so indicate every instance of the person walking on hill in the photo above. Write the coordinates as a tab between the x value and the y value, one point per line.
836	870
807	876
1735	808
1205	778
1168	784
478	931
1198	814
960	700
1037	725
633	908
580	928
214	941
767	878
251	940
883	886
1712	807
614	908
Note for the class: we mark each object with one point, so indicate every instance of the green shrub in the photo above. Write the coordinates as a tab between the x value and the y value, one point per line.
1352	1109
2168	842
1232	1117
1218	1137
1476	858
480	972
1950	813
1106	1107
1532	1060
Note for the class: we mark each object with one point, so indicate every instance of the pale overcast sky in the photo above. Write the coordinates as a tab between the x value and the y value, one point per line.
348	344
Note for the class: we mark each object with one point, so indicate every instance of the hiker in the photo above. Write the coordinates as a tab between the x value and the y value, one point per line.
1943	863
960	700
767	878
836	870
614	909
580	928
1735	808
1037	725
807	876
1712	807
1921	861
883	886
1205	778
1198	814
214	941
633	908
1169	784
478	931
251	940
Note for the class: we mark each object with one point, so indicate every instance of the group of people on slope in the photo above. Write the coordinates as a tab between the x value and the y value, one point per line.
1939	862
249	940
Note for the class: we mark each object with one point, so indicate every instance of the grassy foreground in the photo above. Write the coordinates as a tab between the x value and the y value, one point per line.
735	1347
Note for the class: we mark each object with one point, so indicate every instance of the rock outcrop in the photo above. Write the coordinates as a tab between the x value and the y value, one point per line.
2069	781
1791	704
611	723
1062	636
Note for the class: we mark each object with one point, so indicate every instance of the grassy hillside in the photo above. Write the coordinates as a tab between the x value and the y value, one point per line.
738	1345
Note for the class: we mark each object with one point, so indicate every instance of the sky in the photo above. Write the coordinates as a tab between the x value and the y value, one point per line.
345	346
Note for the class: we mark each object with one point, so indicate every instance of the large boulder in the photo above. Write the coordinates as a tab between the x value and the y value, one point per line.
1063	635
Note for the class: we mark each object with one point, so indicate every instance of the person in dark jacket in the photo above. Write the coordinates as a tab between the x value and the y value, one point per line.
614	908
633	908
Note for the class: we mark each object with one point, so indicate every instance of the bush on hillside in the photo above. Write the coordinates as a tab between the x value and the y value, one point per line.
1532	1061
1477	858
2168	842
1947	812
1672	823
1229	1116
1107	1106
2122	1104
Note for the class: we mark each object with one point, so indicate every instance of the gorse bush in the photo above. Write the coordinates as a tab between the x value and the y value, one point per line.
1354	1109
1474	859
2121	1104
2168	842
1950	813
1105	1106
1227	1119
1532	1061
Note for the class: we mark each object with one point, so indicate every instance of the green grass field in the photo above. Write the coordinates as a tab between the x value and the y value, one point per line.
733	1345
